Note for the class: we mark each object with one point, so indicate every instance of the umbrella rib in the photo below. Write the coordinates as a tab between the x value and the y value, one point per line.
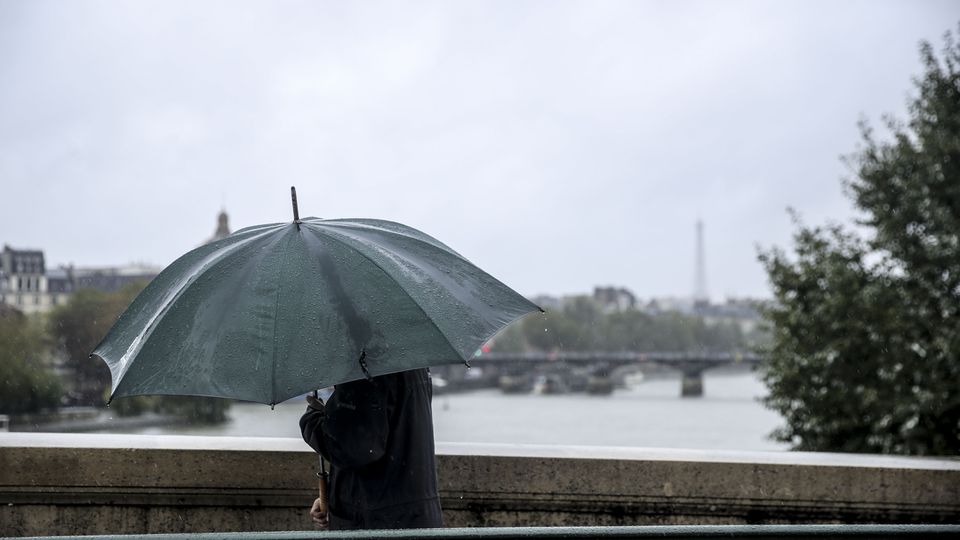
336	237
426	240
276	317
361	224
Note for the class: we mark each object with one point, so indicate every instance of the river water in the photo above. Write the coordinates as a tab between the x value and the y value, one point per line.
728	416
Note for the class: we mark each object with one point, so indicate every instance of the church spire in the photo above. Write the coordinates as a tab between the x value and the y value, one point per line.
223	227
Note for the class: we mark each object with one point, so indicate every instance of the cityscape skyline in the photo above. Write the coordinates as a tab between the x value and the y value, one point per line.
555	145
685	300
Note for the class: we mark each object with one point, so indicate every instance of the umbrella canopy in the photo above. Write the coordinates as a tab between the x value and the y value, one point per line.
274	311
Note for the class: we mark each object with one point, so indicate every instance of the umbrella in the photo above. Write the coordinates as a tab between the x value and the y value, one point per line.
274	311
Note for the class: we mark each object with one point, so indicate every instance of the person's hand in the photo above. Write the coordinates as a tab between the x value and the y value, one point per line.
319	517
314	403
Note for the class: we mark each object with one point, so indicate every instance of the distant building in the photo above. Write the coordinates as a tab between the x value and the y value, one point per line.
741	311
60	285
108	278
668	304
613	299
27	286
744	312
23	280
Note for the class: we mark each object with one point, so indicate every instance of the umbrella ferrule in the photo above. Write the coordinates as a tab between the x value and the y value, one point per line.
296	211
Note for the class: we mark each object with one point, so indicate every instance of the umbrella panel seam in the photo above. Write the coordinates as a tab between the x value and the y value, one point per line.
335	236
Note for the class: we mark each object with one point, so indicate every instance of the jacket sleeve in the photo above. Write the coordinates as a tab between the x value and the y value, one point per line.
353	430
311	425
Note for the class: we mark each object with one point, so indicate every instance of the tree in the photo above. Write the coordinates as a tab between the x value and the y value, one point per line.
27	384
865	349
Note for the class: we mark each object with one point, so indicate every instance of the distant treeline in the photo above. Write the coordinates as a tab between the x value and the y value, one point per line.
46	362
582	325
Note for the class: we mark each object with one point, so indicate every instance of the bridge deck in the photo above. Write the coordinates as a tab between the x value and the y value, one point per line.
620	357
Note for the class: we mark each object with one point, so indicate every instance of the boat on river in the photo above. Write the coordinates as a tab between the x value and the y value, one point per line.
549	384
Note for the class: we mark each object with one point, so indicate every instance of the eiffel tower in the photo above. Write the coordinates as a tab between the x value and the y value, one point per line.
701	298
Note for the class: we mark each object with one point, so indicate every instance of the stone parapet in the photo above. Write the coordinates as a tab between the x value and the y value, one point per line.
119	484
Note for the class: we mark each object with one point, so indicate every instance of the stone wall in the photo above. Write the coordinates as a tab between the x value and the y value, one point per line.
117	484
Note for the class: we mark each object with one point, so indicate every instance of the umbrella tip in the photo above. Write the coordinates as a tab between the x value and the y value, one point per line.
293	199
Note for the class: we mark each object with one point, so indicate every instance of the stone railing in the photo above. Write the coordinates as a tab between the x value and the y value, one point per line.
117	484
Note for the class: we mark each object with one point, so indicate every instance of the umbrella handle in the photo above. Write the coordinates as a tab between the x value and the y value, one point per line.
322	475
322	481
324	507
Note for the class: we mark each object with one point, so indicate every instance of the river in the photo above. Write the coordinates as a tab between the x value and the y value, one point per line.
727	416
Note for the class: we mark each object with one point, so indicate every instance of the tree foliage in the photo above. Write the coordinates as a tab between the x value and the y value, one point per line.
866	331
27	383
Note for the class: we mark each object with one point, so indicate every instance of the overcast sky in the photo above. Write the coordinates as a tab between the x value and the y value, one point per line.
558	145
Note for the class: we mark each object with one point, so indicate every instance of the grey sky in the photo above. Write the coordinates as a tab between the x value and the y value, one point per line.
558	145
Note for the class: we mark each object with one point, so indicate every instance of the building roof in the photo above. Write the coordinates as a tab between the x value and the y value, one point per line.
21	261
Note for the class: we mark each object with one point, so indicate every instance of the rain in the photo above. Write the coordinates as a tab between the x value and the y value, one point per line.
570	212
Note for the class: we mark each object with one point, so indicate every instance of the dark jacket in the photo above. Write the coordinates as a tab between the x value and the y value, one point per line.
378	437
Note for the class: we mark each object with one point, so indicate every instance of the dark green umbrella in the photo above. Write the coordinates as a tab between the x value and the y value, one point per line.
275	311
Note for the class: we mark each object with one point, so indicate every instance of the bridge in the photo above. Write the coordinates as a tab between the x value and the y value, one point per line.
691	364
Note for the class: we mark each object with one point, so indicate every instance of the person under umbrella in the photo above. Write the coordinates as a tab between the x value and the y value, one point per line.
377	434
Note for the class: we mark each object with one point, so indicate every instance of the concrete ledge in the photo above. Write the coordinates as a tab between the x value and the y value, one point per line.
755	532
53	484
617	486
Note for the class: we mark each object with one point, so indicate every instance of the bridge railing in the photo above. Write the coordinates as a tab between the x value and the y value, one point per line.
138	484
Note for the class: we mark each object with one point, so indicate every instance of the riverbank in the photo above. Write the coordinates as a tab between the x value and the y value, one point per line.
88	420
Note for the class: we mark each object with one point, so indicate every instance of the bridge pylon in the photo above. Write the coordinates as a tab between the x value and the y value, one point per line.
691	384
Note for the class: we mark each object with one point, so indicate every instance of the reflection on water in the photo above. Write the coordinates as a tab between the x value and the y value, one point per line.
728	416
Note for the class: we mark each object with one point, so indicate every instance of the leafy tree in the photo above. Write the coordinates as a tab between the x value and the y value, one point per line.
865	343
555	331
628	331
27	384
510	339
721	337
